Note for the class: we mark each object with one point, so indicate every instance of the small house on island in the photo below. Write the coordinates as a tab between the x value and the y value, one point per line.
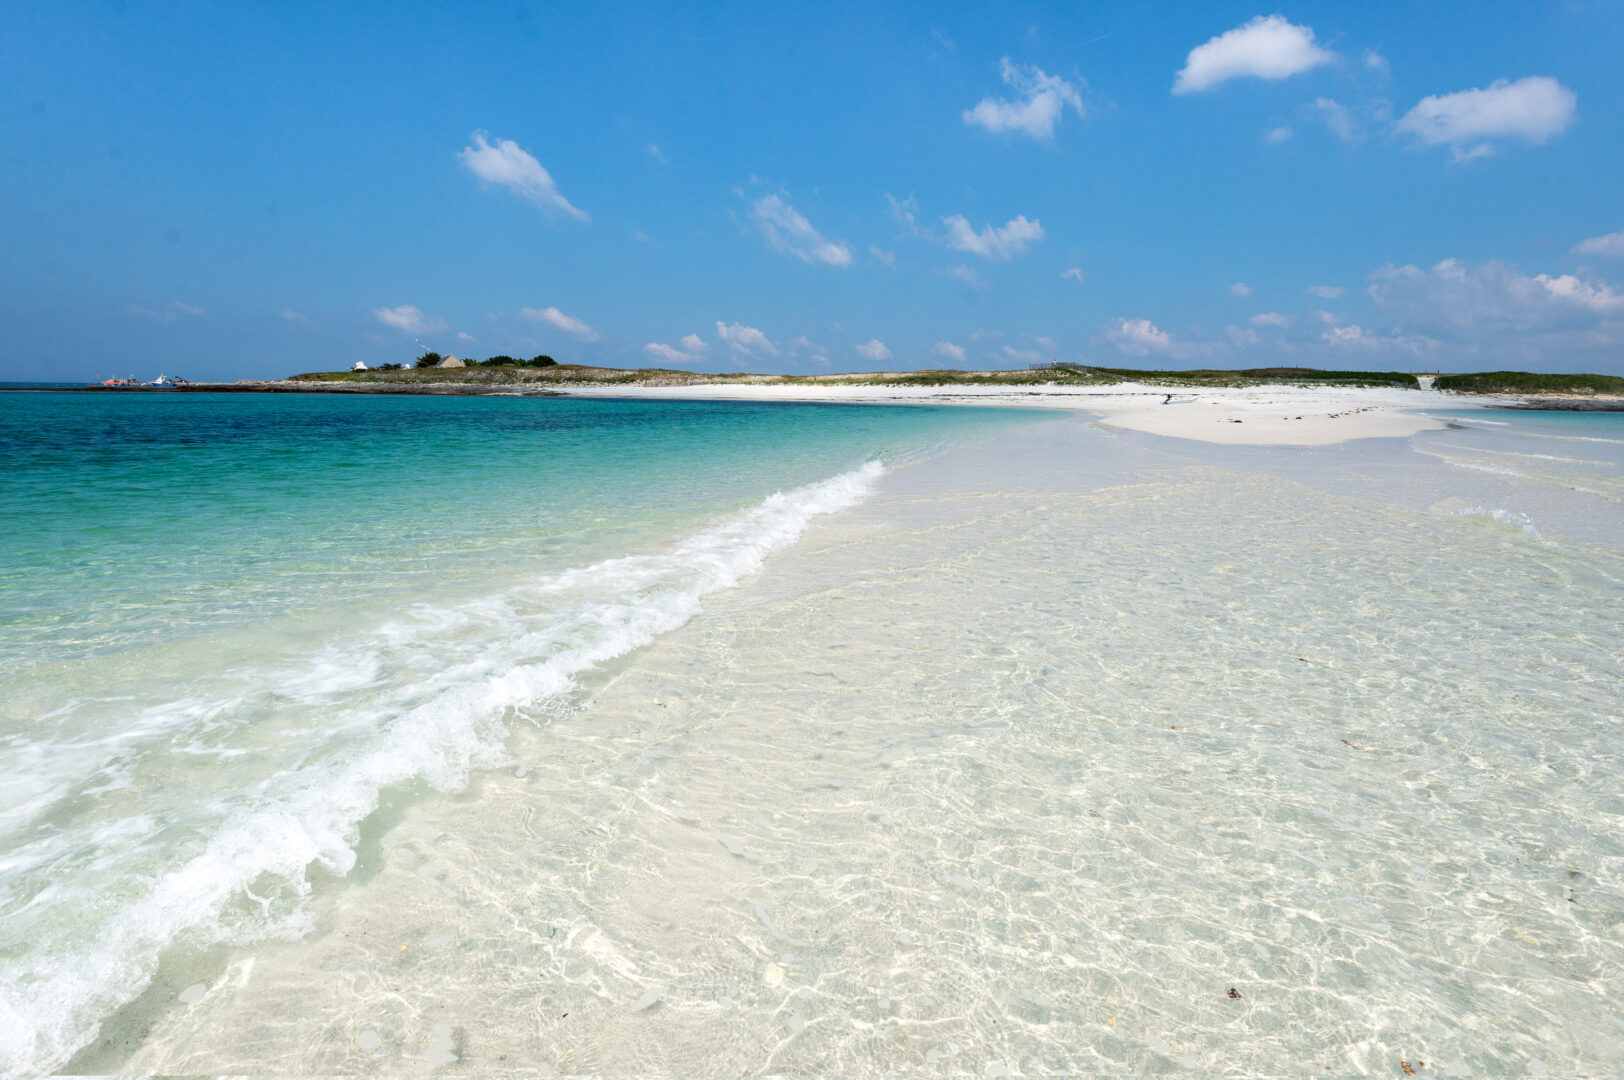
450	361
359	365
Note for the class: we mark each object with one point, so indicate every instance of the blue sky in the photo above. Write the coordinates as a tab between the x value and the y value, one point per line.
242	190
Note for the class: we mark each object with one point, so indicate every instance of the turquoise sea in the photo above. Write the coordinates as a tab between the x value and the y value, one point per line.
231	625
359	736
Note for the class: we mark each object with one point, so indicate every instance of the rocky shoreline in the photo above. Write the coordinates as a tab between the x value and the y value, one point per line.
1567	404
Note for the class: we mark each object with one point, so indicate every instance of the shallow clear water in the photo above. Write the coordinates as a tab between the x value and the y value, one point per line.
1021	759
231	625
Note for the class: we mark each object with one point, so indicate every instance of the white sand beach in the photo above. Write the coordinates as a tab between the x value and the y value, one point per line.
1270	415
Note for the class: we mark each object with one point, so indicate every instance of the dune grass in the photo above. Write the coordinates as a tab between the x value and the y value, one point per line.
1529	382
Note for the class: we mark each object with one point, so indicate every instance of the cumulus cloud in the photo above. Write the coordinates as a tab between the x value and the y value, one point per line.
745	339
1610	245
993	242
1270	318
1533	109
463	335
788	231
1279	134
553	317
1074	273
1492	297
1139	337
1240	289
505	163
297	318
1042	100
966	274
1268	47
1375	61
1024	356
949	351
1240	337
409	319
874	351
692	349
889	258
1325	292
1492	314
1355	337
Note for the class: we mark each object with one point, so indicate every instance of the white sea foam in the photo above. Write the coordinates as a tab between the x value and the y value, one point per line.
1514	518
423	699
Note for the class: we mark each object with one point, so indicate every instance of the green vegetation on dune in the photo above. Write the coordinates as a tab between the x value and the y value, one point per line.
955	377
1528	382
1253	376
543	370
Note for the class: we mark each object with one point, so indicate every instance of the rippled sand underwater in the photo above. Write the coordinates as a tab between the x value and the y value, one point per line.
1077	753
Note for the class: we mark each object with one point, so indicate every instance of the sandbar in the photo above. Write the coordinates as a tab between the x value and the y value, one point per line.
1269	415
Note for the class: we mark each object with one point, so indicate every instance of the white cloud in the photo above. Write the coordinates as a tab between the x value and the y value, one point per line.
745	339
693	349
670	354
657	154
169	314
1241	338
1025	356
1279	134
1612	245
463	335
1494	315
410	319
787	231
1003	242
1337	117
505	163
1043	100
1534	109
949	350
1074	273
1270	318
1268	47
1139	337
904	210
966	274
889	258
1047	343
1325	292
1375	61
874	351
567	323
1355	337
1240	289
296	318
1492	297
